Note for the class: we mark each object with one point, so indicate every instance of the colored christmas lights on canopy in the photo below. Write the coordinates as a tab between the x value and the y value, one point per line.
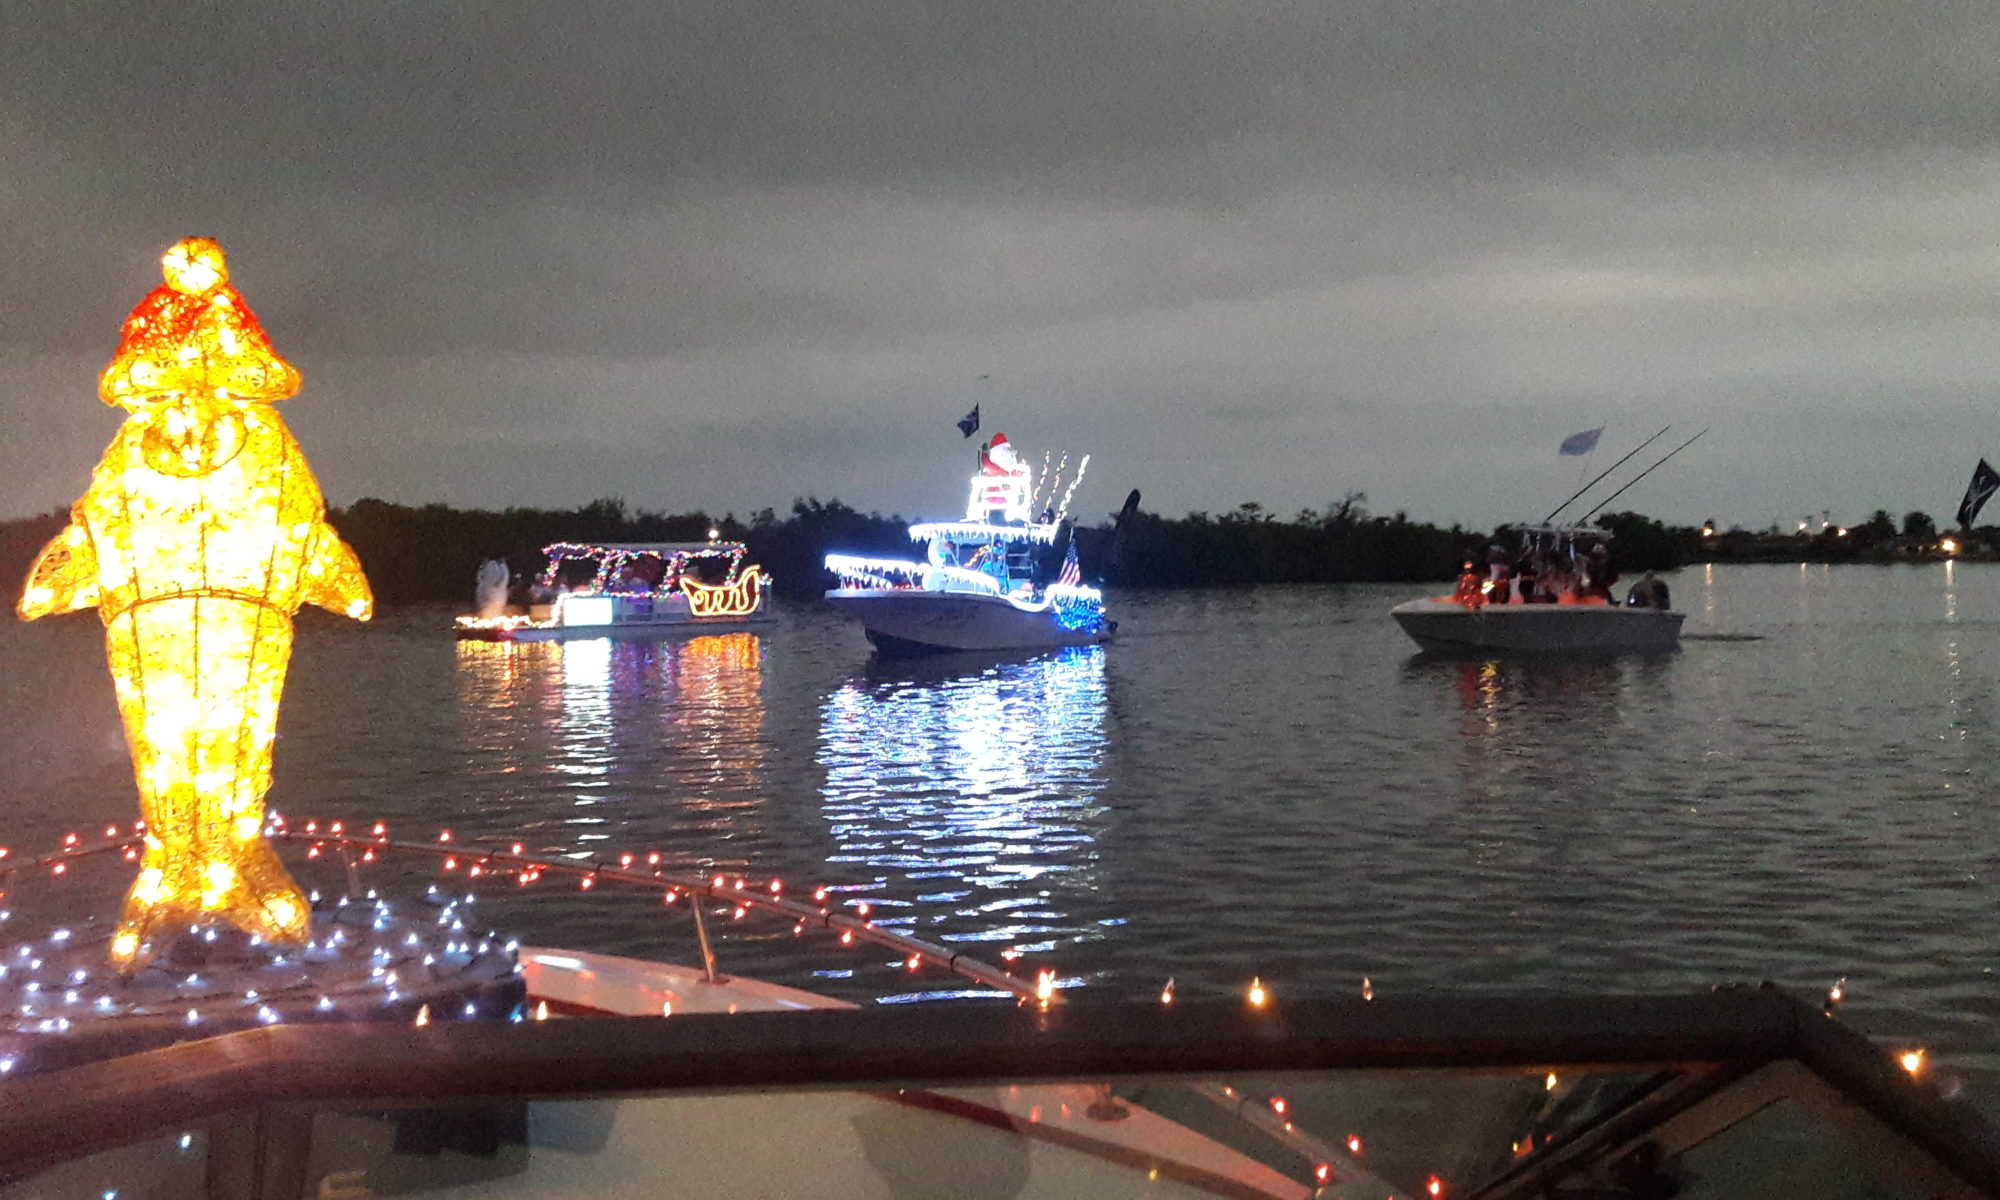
613	559
202	532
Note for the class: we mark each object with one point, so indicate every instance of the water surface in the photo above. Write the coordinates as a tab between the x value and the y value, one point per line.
1264	781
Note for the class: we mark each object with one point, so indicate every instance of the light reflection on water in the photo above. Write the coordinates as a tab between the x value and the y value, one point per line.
978	785
620	734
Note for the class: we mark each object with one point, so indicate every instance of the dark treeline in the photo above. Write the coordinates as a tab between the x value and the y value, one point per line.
430	554
1344	544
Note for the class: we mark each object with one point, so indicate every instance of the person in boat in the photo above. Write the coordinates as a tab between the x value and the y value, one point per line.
992	559
1552	577
1526	570
1468	582
1649	592
1499	574
1598	573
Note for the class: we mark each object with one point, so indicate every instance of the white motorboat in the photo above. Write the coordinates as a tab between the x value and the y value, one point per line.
908	607
1556	607
1446	624
632	590
977	587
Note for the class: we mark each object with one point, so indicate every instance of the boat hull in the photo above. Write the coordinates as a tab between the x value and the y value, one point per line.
908	621
1443	625
639	631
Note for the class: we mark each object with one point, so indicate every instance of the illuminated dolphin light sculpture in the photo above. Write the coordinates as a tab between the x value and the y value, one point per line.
202	533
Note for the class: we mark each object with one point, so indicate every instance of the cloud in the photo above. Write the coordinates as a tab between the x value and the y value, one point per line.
719	255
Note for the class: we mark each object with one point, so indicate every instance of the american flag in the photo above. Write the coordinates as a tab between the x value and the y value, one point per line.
1071	575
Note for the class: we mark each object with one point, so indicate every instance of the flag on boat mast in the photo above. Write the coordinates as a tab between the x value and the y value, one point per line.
1071	574
1985	481
1581	443
969	423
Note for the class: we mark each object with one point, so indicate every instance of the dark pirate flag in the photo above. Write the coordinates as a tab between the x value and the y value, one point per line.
1985	481
969	423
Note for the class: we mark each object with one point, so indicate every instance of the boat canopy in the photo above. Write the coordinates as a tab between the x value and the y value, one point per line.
979	531
612	560
1578	533
661	549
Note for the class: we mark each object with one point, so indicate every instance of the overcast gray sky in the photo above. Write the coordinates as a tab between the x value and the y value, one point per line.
721	255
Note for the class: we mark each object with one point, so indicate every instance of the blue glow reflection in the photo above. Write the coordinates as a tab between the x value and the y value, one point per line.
973	796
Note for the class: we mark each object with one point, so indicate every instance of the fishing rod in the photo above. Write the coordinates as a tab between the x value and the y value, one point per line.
1641	475
1613	467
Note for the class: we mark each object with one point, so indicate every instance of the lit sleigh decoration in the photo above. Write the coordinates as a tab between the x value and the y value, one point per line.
629	588
202	532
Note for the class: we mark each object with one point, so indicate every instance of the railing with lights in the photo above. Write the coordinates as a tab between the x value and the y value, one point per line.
740	893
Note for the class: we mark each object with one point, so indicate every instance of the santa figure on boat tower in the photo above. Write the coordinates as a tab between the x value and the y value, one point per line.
1003	491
